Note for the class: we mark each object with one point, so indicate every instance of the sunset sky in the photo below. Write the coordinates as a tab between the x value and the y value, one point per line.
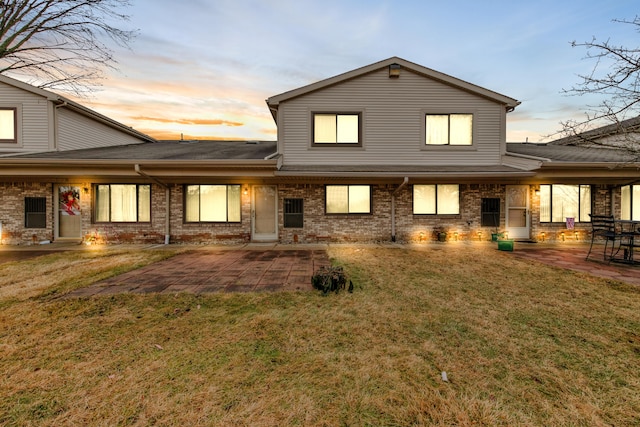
203	68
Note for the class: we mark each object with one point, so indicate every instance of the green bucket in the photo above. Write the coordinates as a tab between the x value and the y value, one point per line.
505	245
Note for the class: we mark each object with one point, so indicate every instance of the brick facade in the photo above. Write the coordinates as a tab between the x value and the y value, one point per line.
317	226
12	213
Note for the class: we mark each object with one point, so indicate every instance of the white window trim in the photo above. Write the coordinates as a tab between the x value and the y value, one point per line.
341	147
200	221
448	147
18	143
436	213
349	213
110	221
581	218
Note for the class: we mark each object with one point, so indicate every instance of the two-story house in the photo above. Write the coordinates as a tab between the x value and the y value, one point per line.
392	151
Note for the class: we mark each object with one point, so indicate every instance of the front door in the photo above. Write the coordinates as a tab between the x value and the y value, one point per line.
517	217
264	213
68	213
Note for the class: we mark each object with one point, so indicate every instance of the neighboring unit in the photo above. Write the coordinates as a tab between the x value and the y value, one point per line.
388	152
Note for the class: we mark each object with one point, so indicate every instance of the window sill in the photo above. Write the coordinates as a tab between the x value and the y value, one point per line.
346	214
354	147
448	148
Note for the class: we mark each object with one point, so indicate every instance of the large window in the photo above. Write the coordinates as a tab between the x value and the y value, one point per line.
436	199
336	129
212	203
123	203
559	202
630	202
348	199
449	129
8	125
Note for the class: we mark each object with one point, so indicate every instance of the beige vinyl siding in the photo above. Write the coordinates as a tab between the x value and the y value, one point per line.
393	113
33	122
76	131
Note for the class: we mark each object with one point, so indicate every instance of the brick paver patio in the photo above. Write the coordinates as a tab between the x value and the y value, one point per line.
204	271
572	257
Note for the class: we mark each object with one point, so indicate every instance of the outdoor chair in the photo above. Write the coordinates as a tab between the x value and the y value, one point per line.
603	226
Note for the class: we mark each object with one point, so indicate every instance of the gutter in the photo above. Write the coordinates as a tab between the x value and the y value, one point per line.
527	156
393	207
167	192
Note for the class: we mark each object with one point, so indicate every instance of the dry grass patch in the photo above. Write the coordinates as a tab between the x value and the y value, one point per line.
522	344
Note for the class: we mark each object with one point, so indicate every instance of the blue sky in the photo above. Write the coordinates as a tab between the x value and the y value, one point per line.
204	68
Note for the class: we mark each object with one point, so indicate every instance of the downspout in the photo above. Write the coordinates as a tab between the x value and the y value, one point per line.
393	207
167	192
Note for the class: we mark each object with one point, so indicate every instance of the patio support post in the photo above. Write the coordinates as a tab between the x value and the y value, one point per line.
167	222
393	208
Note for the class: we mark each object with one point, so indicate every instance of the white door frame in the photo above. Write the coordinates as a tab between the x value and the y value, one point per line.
264	237
511	210
57	204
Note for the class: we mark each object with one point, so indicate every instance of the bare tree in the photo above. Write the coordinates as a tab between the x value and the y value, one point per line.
615	77
61	44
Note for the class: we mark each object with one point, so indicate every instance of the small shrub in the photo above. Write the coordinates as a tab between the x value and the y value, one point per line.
329	279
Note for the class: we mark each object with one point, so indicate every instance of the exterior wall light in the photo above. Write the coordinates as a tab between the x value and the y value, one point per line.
245	191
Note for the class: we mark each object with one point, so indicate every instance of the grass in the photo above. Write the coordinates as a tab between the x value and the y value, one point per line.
521	343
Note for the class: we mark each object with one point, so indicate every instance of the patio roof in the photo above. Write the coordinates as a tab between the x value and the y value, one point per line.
571	153
166	150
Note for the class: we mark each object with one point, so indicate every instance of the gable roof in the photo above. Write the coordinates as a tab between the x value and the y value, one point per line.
631	125
510	103
62	101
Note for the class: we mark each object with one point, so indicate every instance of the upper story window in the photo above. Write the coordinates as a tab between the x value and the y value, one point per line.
122	203
559	202
8	125
436	199
336	129
212	203
449	129
630	202
348	199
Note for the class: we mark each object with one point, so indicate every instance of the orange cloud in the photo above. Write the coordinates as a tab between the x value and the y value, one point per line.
207	122
175	136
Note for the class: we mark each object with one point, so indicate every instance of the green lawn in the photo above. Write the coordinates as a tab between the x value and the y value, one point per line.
521	344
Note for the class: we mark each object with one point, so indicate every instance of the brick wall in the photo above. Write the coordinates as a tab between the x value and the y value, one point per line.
115	232
558	232
208	233
377	226
12	213
318	226
465	226
337	228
